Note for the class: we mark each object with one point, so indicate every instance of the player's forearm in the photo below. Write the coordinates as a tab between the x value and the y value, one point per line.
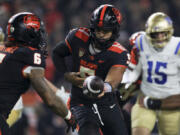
114	76
172	102
45	91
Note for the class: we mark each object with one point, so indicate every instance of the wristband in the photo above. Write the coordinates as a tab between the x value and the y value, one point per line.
68	116
107	87
153	104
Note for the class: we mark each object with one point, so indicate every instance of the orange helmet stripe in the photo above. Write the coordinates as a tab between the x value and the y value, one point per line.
102	16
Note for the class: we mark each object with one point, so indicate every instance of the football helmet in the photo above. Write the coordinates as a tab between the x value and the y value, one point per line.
26	29
159	23
108	18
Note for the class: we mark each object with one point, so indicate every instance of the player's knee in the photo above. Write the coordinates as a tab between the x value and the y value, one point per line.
89	129
140	131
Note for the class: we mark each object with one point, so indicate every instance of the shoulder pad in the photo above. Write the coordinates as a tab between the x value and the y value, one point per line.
83	34
134	36
138	43
117	47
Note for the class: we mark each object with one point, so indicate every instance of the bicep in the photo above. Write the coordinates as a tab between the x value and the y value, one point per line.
58	55
61	49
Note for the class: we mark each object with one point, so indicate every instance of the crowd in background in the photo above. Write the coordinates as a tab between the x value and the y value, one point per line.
62	15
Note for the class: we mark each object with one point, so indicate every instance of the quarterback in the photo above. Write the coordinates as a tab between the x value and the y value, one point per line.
159	65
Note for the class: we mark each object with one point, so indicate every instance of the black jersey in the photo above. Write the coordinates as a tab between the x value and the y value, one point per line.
78	42
12	82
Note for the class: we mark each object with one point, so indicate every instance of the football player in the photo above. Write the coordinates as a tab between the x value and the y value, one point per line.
95	52
16	112
22	62
159	64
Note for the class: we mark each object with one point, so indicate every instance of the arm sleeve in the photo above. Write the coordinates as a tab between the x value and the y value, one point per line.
120	59
59	53
30	57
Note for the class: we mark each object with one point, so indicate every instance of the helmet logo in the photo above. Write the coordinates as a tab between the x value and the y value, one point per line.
117	14
32	21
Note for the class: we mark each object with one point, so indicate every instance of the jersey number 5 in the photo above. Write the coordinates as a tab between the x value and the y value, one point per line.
157	71
84	71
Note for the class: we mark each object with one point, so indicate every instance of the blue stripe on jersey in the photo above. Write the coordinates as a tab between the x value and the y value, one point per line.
141	45
177	51
136	43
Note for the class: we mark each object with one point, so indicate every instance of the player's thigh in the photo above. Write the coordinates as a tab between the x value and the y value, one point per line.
4	128
169	122
142	118
113	121
84	114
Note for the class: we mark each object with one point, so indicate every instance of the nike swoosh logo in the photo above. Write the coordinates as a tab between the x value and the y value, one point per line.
112	106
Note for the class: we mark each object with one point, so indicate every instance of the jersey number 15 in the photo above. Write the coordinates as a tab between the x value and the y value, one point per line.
157	71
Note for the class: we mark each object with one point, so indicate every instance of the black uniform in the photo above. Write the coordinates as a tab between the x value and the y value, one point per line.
103	112
13	60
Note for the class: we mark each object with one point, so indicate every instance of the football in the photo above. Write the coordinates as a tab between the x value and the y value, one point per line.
93	86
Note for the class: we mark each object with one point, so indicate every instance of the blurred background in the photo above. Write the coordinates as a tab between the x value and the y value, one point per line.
60	16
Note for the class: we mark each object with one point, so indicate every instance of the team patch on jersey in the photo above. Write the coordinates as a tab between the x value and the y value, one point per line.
81	52
83	34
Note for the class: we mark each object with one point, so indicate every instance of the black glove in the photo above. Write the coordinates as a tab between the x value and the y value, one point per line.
71	123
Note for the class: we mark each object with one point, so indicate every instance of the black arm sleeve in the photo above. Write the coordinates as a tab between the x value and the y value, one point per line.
59	53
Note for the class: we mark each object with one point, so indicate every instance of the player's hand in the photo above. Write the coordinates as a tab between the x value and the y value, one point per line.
101	95
141	100
71	123
127	92
93	87
75	78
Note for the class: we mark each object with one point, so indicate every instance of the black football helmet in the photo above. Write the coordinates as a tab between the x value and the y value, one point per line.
26	29
105	17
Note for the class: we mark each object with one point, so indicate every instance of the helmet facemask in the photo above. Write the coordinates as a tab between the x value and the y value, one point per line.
159	30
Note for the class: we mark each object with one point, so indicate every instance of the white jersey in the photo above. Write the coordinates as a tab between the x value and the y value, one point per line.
160	70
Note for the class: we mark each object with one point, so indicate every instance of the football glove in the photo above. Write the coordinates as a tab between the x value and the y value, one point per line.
71	123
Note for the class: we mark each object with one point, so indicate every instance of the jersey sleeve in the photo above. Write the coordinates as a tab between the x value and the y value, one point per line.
120	59
69	40
30	57
118	55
